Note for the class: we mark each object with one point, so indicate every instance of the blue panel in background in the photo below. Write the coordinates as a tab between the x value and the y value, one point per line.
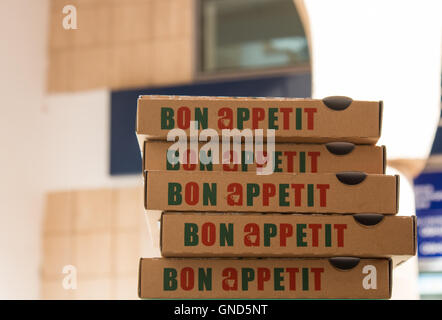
428	191
437	143
125	154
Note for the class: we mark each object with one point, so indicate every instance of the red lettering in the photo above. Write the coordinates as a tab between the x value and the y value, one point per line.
225	120
310	117
231	166
191	193
323	194
292	276
290	159
258	114
315	228
187	279
231	279
208	234
269	190
297	187
263	275
183	118
340	232
286	117
189	160
261	159
314	160
286	231
251	239
234	198
317	277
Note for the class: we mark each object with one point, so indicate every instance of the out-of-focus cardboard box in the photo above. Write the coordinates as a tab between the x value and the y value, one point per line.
332	278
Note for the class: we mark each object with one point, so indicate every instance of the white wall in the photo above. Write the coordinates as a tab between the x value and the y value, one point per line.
78	142
382	50
390	51
22	64
47	142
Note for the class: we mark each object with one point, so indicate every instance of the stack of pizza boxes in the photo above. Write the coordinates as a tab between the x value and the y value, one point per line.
269	198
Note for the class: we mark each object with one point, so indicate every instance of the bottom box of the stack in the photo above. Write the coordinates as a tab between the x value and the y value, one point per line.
266	278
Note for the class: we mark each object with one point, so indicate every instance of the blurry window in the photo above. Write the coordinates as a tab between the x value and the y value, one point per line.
250	35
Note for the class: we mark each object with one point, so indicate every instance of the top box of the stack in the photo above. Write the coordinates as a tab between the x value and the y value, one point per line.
296	120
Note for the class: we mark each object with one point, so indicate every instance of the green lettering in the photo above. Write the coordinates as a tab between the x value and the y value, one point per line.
252	192
283	195
167	121
273	118
300	235
243	114
310	193
174	196
226	235
201	118
269	232
328	241
302	161
208	166
247	275
243	161
169	279
175	156
204	279
298	118
278	161
190	234
278	279
209	194
305	279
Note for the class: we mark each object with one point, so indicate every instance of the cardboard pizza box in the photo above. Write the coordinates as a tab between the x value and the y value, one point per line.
293	119
345	192
323	278
287	157
287	235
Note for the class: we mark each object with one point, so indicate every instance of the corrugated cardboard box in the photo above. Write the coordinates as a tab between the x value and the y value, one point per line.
294	120
287	235
288	157
347	192
333	278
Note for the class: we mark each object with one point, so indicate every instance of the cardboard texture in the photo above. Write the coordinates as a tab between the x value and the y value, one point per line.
348	192
334	278
294	120
287	235
291	158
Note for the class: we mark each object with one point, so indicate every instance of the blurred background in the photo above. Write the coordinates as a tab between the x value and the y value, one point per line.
71	70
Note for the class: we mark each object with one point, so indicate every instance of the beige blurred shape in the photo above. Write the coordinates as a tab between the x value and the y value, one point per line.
121	44
102	233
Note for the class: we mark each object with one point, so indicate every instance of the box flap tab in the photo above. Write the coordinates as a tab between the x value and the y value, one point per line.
368	219
351	177
344	263
340	148
337	103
